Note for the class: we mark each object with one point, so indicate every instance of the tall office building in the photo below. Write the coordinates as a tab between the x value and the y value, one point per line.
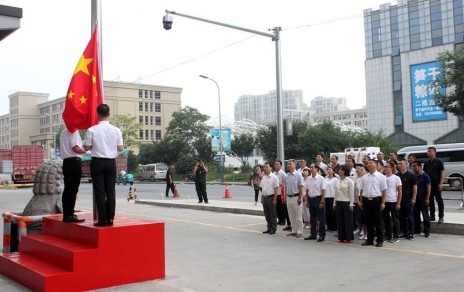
262	109
402	42
321	104
33	119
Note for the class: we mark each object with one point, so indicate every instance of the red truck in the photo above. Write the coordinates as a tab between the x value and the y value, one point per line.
121	163
26	160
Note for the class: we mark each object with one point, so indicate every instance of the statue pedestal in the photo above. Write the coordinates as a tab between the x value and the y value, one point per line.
80	256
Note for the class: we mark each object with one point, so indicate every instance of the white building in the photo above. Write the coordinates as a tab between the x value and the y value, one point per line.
321	104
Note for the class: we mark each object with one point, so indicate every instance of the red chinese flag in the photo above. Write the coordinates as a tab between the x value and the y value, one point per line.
85	91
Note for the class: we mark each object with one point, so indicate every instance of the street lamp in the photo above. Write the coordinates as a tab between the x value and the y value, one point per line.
220	129
54	132
275	36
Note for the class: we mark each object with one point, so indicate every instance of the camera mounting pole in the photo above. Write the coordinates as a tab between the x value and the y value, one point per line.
275	36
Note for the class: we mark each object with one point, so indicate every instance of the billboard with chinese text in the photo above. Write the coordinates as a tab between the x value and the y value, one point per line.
226	140
422	91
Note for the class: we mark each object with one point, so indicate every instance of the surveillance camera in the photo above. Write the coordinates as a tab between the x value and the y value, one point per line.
167	22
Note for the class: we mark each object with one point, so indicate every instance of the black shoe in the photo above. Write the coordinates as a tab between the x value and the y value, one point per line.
404	236
206	202
99	223
109	222
417	232
379	244
411	237
440	220
272	231
432	219
200	202
321	239
388	238
267	231
427	235
74	218
281	223
311	237
366	243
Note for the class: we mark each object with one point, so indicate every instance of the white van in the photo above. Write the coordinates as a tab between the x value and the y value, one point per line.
452	156
152	172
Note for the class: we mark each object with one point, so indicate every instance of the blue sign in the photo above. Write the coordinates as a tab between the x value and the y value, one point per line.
226	139
217	158
422	92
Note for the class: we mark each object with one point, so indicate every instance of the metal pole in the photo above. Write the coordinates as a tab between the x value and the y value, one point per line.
280	123
275	37
220	129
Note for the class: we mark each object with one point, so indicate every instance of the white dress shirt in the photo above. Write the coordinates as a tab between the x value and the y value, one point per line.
268	184
315	185
67	142
393	182
372	185
104	139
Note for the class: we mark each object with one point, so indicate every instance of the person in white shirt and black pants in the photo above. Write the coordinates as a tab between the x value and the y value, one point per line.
270	187
315	194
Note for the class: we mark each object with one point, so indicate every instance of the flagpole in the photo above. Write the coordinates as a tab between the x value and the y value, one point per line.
96	19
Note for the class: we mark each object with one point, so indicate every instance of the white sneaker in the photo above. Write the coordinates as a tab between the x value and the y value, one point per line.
361	233
356	232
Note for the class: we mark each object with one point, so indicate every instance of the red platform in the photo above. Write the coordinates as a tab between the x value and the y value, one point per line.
80	256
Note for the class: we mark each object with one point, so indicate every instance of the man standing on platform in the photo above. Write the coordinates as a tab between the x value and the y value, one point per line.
169	180
372	193
104	141
294	196
200	171
436	170
71	152
281	207
270	187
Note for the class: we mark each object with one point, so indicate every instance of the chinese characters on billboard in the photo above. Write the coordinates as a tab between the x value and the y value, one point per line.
226	140
422	91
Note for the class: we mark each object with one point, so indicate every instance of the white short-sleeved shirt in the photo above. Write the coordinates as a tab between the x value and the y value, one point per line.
393	182
67	142
331	184
315	185
281	176
268	184
104	139
372	185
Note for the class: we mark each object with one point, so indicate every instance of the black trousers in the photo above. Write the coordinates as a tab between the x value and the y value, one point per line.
344	221
72	173
103	172
436	195
407	218
201	191
316	213
330	215
421	208
374	218
257	194
270	213
391	215
169	187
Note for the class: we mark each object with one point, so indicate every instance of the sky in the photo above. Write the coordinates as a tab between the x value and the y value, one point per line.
322	48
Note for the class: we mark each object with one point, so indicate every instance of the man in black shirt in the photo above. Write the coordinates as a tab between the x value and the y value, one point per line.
408	199
436	170
169	180
200	171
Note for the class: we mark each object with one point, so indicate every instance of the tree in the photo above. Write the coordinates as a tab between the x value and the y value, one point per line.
185	164
242	147
203	148
187	124
131	162
58	135
129	128
266	140
452	80
146	154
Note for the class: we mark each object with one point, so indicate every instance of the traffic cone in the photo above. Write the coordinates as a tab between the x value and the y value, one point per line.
176	193
135	194
226	193
282	193
130	196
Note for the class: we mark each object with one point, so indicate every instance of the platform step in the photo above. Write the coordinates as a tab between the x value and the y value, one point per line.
59	251
84	233
34	273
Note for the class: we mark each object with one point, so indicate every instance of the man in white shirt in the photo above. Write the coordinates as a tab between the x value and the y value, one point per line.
302	164
320	163
270	187
71	152
315	194
351	165
104	141
294	195
392	203
372	191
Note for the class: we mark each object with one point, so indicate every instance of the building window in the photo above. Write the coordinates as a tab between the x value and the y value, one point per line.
141	119
151	93
146	93
158	134
146	106
146	120
158	121
140	93
157	94
151	123
140	106
151	134
151	107
146	135
158	107
141	134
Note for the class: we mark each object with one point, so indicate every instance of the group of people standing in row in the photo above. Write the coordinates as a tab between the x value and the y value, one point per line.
378	200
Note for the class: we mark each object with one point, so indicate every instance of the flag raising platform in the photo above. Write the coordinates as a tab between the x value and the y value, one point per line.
81	256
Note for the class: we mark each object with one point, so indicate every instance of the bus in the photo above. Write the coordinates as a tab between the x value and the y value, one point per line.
452	156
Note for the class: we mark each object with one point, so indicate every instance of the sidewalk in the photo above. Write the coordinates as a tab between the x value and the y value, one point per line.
454	222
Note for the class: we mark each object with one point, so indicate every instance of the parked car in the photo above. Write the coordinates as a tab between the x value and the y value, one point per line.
189	176
236	170
152	172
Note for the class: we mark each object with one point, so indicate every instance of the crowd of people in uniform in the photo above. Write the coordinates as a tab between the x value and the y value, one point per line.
376	200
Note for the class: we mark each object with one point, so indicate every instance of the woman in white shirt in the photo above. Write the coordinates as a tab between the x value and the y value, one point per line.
343	204
331	183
